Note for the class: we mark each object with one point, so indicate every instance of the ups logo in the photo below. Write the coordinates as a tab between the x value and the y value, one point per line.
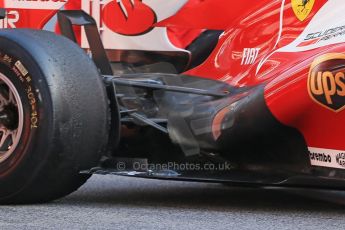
326	81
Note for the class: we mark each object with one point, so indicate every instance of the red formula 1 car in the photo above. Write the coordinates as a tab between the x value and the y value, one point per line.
233	92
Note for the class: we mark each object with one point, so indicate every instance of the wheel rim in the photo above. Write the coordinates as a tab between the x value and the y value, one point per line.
11	118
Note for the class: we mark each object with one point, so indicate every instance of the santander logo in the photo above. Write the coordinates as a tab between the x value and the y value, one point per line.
129	17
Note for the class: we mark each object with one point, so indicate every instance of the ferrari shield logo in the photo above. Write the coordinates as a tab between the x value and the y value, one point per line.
326	81
302	8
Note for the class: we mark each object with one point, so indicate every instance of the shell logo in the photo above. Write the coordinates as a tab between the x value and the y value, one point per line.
129	17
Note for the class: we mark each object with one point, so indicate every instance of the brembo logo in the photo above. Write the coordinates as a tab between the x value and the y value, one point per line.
321	157
326	81
129	17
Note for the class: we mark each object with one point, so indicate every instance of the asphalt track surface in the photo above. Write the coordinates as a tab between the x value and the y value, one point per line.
112	202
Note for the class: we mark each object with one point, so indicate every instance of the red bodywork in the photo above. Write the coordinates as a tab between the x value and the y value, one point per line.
248	54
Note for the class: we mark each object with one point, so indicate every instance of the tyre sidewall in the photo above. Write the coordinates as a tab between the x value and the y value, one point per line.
22	166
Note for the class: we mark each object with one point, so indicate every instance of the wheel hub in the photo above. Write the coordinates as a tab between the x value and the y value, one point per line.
11	118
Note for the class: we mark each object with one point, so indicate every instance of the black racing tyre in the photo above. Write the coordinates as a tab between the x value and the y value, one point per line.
53	116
